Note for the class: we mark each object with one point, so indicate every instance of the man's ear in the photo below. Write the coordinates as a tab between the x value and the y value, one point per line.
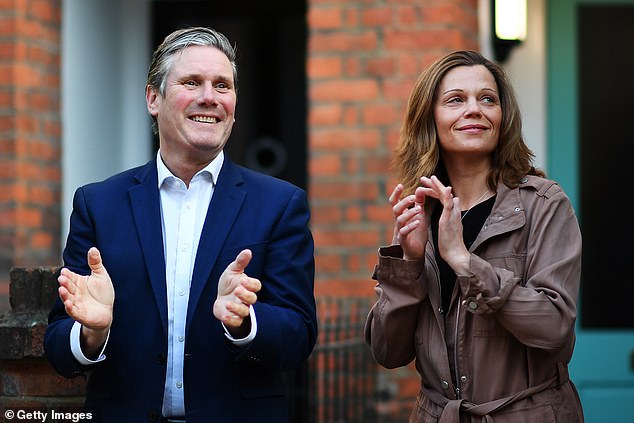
152	99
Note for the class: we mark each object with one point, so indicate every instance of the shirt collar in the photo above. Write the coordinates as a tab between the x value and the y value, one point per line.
213	169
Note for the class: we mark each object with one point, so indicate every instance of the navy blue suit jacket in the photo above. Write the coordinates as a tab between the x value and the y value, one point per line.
223	383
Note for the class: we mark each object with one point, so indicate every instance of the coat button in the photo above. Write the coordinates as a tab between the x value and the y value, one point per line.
463	379
524	179
444	384
473	305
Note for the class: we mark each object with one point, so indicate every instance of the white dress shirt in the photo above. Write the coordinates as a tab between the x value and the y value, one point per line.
183	212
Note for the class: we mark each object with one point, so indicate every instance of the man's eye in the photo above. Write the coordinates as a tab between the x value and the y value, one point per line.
190	83
222	87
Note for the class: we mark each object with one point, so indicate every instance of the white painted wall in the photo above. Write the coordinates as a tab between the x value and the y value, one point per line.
105	125
526	67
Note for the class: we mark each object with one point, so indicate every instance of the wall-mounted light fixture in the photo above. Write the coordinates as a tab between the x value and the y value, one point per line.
508	18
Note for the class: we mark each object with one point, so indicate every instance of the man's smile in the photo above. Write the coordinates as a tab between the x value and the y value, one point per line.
204	119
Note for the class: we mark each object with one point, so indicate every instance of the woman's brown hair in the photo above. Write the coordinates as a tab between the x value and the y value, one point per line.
418	151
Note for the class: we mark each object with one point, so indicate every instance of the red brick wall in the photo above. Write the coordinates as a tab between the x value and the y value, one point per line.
363	59
30	132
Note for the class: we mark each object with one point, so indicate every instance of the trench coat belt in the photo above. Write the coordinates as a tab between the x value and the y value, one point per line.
453	408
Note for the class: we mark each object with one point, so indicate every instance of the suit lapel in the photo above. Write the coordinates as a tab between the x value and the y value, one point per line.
222	212
146	208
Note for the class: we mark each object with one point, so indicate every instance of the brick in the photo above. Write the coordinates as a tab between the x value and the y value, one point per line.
351	18
380	114
33	289
324	18
328	263
410	15
344	90
43	195
353	67
324	67
45	150
345	288
325	213
328	164
7	24
342	138
398	90
343	190
45	10
377	16
325	114
41	240
343	42
354	264
378	164
351	116
379	213
36	377
380	66
353	165
352	237
29	217
353	214
14	340
451	39
463	12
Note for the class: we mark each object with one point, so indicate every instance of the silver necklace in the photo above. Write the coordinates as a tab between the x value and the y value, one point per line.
475	204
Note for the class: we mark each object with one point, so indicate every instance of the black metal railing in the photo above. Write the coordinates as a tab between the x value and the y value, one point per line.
341	372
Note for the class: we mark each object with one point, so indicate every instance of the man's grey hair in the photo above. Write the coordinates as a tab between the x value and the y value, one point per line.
181	39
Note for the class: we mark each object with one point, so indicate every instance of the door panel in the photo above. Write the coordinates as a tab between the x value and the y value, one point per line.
589	152
606	150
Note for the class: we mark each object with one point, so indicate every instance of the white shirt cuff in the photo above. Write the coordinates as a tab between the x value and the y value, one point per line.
75	346
250	337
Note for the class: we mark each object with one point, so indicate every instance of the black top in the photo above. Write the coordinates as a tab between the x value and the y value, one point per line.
471	224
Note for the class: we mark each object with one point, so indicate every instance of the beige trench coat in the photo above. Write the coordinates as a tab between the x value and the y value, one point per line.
500	352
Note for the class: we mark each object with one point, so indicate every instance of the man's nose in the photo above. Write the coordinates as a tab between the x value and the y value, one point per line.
207	93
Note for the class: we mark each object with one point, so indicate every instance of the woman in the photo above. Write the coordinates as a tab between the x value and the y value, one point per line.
481	282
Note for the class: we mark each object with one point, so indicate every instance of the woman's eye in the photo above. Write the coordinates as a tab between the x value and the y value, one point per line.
490	99
454	100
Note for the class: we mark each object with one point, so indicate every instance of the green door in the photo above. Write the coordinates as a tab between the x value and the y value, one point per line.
590	59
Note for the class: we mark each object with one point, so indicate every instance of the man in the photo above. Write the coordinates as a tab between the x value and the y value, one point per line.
188	282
